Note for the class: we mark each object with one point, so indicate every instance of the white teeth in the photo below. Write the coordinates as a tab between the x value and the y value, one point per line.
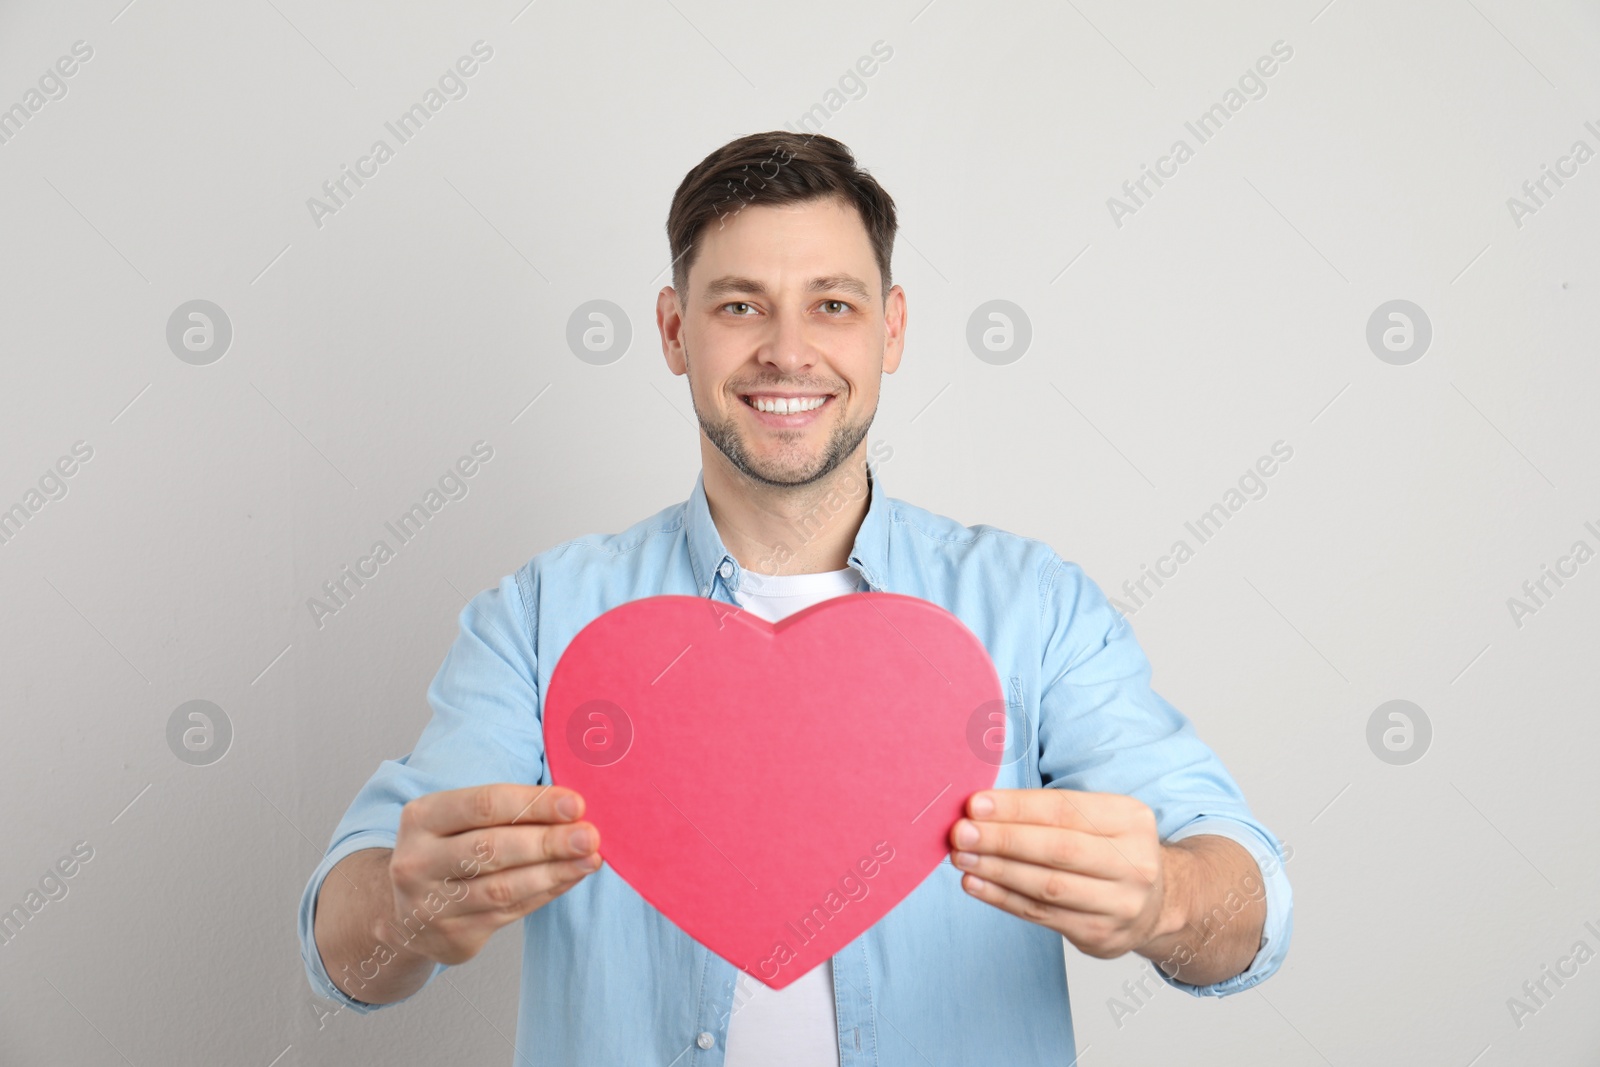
787	405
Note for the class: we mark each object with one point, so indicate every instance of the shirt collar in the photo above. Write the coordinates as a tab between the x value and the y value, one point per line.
710	558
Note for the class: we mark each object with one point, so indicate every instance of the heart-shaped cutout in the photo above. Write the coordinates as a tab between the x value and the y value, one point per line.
775	789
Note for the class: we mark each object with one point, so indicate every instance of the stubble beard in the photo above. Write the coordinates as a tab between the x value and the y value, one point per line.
842	444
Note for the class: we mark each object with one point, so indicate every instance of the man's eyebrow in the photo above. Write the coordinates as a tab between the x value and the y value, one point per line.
733	284
845	283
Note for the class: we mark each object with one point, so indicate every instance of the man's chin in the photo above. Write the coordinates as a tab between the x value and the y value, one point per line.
790	471
779	476
777	465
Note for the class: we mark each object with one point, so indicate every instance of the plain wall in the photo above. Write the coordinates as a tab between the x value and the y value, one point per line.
1169	350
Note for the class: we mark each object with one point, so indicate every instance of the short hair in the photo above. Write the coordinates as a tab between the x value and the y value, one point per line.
775	167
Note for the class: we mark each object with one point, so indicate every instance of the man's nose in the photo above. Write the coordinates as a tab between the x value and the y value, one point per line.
789	347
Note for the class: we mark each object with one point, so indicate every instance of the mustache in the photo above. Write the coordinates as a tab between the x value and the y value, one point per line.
781	387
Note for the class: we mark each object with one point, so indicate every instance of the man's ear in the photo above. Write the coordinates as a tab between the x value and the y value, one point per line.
669	321
894	323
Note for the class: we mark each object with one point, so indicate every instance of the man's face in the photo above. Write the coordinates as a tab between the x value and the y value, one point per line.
784	336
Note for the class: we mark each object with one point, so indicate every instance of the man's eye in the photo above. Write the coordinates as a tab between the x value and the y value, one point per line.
842	305
737	304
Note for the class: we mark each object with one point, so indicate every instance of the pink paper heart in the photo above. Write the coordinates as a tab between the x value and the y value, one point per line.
774	790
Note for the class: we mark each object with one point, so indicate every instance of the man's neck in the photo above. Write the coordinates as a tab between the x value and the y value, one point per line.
787	530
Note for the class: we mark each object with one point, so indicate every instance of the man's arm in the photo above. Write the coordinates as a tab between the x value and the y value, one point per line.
354	897
485	727
466	862
1212	913
1124	783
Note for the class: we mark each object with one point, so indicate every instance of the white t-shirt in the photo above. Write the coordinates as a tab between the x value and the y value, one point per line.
795	1026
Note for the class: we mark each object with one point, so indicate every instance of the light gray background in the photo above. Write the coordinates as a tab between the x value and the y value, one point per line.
1167	355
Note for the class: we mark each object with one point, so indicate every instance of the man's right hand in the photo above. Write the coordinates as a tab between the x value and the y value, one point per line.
494	853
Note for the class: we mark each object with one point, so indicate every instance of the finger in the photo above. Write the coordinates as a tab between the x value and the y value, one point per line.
1108	814
500	803
1066	850
516	892
499	848
1079	928
1063	889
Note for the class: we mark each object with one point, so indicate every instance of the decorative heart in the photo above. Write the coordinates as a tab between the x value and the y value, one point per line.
774	789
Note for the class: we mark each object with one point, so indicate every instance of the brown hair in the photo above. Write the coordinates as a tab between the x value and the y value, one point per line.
776	167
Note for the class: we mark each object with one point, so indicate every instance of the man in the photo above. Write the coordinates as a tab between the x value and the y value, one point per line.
1113	827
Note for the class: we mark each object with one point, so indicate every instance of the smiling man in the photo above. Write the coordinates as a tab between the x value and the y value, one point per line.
1111	825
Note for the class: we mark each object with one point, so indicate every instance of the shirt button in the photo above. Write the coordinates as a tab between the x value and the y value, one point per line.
726	570
705	1040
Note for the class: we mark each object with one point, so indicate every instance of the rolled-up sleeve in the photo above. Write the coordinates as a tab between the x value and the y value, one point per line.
485	728
1103	729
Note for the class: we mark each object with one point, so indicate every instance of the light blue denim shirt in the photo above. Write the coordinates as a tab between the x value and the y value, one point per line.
943	978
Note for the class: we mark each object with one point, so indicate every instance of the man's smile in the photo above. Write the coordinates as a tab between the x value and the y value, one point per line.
787	410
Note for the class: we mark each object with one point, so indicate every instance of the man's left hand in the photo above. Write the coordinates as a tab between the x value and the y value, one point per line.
1087	865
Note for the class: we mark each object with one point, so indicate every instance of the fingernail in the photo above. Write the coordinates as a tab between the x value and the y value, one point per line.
982	805
966	834
567	807
973	883
581	840
589	862
964	859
